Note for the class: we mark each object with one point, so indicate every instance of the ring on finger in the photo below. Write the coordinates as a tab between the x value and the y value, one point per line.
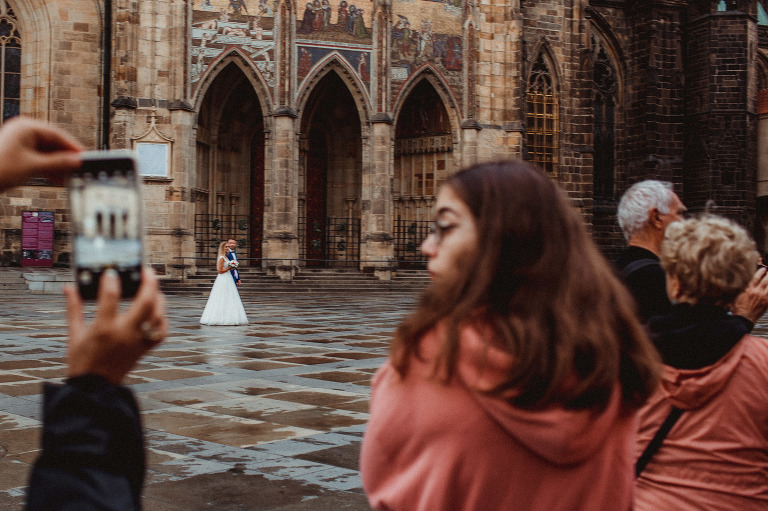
149	333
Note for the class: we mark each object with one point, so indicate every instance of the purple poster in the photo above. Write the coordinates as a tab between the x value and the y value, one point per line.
37	238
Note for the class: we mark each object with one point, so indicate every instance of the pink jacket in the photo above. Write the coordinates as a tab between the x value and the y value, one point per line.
716	455
450	447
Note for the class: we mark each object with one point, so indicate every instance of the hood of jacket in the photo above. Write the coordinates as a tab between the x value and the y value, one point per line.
559	435
701	349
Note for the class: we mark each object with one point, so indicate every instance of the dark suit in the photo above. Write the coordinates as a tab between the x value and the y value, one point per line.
235	274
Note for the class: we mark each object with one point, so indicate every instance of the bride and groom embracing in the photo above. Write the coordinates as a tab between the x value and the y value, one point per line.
224	306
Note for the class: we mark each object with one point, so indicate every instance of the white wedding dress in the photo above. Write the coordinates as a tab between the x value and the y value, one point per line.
224	306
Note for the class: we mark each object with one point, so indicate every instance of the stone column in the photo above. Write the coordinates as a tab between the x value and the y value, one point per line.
184	166
469	131
125	73
377	242
281	201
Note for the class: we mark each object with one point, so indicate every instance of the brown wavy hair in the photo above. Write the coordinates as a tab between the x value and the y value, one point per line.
542	289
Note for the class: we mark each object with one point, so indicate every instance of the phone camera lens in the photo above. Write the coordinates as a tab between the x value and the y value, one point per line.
85	278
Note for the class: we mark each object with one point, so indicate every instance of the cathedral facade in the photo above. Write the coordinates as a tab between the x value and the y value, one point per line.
317	133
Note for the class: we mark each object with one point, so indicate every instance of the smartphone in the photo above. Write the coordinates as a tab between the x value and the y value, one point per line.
106	221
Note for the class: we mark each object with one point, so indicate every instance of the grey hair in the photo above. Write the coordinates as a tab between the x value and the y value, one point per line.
713	258
639	200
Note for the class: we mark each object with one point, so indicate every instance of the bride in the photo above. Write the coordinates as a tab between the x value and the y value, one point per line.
224	306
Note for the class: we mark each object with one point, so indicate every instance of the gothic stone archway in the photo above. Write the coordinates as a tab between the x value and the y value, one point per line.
331	157
229	187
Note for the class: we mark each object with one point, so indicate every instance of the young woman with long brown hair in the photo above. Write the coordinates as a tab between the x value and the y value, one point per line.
514	384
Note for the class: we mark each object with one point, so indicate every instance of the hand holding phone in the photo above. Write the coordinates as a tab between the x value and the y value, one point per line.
105	207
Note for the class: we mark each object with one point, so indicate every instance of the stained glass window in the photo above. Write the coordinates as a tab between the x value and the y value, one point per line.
541	117
10	62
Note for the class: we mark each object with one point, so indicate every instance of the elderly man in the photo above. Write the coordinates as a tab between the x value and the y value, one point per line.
645	211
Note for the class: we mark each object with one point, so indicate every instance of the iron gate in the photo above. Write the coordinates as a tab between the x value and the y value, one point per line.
210	230
408	236
337	242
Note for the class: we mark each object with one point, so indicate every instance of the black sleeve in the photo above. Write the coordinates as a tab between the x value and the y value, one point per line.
92	449
747	323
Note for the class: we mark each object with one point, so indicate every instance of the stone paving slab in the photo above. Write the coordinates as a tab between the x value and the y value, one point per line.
267	416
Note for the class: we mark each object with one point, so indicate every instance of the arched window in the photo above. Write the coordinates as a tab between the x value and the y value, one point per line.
605	86
10	62
541	117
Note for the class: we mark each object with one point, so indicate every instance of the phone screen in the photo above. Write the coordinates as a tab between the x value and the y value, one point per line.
105	210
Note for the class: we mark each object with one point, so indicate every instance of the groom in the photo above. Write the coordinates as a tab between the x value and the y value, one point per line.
231	245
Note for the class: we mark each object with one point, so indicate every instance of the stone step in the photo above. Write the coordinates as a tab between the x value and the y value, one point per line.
256	287
256	281
21	284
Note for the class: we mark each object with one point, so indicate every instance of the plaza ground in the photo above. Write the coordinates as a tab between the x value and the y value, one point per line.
267	416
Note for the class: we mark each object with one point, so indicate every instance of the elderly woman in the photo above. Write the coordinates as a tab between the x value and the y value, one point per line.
715	380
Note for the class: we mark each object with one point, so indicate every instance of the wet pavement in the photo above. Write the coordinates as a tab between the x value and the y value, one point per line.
267	416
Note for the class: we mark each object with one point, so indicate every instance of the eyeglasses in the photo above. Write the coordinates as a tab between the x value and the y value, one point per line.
440	231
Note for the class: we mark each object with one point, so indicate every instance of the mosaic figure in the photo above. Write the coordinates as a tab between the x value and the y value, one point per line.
238	6
307	21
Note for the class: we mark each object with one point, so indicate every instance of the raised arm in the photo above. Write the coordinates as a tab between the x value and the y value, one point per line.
93	451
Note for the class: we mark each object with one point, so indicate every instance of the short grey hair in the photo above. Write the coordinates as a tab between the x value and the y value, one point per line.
639	200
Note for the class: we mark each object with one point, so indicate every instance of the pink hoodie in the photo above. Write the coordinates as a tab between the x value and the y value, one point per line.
716	455
430	446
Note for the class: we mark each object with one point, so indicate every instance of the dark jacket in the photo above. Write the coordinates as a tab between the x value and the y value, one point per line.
92	449
695	336
235	274
647	283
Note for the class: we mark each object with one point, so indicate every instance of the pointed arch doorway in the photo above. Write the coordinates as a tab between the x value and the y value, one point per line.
229	180
423	146
331	164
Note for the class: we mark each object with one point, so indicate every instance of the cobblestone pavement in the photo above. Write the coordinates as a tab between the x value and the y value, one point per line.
267	416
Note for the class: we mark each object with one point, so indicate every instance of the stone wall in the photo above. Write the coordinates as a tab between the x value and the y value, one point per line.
685	100
721	100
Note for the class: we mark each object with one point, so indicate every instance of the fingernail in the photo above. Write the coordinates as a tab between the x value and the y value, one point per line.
111	273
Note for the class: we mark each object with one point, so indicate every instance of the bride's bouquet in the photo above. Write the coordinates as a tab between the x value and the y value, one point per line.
231	264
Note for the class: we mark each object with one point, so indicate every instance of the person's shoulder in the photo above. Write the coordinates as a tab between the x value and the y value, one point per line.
638	261
756	345
632	253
